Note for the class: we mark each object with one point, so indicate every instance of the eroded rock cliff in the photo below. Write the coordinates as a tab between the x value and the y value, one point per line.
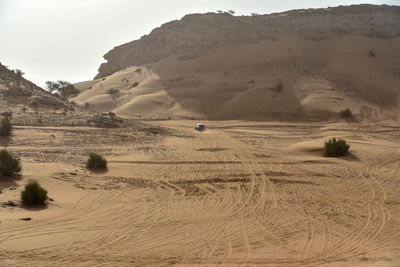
196	32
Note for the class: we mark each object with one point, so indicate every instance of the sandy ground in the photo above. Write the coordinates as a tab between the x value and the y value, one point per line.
240	194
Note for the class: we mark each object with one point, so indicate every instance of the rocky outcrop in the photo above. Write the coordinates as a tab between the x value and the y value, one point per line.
196	32
28	104
17	90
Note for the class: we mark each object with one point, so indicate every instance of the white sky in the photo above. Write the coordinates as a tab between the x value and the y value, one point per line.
66	39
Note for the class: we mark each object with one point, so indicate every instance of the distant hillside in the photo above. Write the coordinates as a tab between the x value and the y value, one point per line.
27	103
16	89
194	33
9	78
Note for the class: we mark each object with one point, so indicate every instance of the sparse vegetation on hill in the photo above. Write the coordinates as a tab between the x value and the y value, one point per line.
19	72
8	164
336	148
96	162
34	194
5	127
346	113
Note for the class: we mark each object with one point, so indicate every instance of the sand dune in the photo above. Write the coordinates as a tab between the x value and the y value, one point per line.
135	92
319	78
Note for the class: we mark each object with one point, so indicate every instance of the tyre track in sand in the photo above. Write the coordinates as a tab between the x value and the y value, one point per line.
376	215
210	212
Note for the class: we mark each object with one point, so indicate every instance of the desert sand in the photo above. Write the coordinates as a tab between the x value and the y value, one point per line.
254	189
239	194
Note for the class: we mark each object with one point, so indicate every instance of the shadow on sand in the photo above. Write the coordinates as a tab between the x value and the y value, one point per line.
5	141
34	208
9	181
98	171
351	157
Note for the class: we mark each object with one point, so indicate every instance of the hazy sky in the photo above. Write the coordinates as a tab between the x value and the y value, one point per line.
66	39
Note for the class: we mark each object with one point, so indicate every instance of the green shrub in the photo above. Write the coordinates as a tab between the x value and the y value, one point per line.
8	164
96	162
346	113
336	148
5	127
33	194
65	88
372	53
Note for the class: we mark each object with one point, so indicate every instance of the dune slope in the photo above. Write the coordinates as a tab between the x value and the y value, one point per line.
288	78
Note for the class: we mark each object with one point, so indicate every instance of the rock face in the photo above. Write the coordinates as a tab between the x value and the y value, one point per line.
195	33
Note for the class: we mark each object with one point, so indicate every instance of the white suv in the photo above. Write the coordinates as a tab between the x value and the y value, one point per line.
200	127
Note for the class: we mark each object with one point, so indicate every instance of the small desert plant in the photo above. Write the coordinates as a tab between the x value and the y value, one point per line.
33	194
8	164
5	127
372	53
279	87
336	148
346	113
252	81
113	91
96	162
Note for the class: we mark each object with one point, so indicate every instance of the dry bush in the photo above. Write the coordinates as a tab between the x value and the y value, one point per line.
346	113
33	194
96	162
336	148
8	164
5	127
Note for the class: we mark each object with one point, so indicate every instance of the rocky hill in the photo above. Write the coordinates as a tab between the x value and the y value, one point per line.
194	33
16	89
29	105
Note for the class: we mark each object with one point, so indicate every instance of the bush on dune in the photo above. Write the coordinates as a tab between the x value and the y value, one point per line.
96	162
279	87
372	53
8	164
336	148
5	127
346	113
34	194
